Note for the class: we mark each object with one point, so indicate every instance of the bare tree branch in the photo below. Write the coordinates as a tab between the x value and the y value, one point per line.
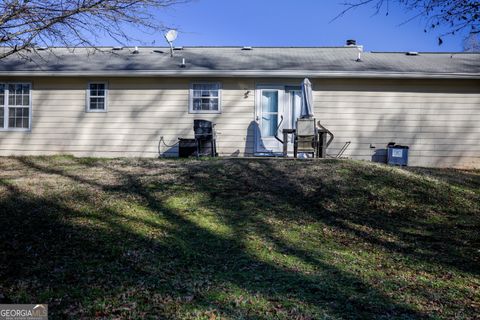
25	24
472	43
455	15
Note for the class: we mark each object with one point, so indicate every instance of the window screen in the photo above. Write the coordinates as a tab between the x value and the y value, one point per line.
97	96
18	106
205	97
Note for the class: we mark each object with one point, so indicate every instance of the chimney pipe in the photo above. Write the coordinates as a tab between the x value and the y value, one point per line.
351	42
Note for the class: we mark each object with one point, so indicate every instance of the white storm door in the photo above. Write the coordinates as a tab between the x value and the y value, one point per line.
269	113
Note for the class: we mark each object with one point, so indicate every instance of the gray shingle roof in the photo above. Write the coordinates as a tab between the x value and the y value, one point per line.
233	61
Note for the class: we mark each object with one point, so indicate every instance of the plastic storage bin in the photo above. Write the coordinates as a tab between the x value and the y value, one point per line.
397	155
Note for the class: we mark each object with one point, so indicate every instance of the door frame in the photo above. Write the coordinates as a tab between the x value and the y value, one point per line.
282	101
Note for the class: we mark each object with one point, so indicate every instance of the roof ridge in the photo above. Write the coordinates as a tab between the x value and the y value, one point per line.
261	47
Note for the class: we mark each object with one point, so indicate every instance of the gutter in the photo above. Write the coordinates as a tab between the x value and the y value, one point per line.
243	74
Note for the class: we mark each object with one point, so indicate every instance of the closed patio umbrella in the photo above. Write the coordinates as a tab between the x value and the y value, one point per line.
307	100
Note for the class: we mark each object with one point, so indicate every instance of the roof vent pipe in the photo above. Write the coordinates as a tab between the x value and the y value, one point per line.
359	57
135	51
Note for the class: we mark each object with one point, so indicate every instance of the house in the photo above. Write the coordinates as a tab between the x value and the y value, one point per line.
115	102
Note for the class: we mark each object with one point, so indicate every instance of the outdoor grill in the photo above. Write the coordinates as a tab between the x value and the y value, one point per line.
204	132
203	143
203	129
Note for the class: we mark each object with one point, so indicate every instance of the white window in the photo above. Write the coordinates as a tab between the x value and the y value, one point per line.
205	98
97	97
15	106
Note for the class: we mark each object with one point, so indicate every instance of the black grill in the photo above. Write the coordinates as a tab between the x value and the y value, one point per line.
205	142
203	129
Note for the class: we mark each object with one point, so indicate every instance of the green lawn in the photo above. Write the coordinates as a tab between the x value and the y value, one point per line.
239	239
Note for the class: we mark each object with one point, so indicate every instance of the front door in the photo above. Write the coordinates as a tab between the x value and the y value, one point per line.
270	105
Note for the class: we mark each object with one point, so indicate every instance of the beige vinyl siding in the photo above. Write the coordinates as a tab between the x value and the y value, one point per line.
438	119
140	111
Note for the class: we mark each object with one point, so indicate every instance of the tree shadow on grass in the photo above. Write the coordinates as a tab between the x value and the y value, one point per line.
385	200
426	225
133	246
466	179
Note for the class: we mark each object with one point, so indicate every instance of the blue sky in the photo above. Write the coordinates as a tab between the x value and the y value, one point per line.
296	23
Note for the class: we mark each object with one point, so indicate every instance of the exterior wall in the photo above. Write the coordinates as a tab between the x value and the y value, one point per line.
140	112
438	119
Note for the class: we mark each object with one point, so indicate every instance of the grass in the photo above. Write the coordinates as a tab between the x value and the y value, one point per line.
239	239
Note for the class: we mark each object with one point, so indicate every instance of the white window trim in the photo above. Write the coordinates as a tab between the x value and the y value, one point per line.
190	107
87	106
6	112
